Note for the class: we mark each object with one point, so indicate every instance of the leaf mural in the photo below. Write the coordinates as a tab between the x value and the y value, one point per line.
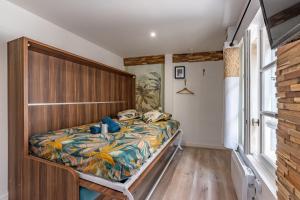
148	90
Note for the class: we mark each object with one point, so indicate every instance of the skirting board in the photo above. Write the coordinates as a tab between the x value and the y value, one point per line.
4	196
187	144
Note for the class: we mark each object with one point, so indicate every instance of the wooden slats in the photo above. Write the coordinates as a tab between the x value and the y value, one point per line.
56	80
198	57
36	46
288	132
55	117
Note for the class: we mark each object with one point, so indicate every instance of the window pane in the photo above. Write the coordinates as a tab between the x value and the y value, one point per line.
269	99
269	137
267	52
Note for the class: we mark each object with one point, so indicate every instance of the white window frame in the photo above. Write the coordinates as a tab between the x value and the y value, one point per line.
262	167
247	100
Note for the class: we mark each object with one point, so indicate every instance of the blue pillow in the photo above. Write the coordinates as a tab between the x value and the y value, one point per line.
95	129
112	125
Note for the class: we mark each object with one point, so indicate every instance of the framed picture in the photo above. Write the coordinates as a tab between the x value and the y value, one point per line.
179	72
149	85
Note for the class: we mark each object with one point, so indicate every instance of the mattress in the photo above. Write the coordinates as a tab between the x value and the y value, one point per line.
112	156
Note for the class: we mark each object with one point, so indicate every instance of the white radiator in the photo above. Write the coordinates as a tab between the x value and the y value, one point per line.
242	177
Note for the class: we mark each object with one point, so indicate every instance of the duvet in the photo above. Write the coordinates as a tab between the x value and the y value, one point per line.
113	156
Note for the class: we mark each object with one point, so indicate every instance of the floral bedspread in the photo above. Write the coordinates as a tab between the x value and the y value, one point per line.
113	156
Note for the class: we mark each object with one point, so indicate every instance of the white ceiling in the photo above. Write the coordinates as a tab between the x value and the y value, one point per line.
123	26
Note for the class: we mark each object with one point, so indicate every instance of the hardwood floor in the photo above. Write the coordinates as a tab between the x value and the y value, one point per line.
197	174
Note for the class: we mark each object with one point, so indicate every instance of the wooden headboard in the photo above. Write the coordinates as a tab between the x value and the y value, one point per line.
61	90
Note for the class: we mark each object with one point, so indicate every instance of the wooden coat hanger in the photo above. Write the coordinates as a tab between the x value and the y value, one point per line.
185	90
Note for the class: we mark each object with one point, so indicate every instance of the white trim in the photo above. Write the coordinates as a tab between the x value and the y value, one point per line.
74	103
189	144
124	187
4	196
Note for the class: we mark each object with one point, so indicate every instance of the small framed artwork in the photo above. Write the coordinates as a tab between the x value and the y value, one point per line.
179	72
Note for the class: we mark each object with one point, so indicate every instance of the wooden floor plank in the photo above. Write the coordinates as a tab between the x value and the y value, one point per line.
197	174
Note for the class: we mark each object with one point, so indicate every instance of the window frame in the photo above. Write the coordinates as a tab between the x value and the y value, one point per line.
263	168
247	98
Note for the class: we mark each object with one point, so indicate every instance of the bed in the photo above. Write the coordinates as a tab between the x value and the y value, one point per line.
112	159
51	89
112	156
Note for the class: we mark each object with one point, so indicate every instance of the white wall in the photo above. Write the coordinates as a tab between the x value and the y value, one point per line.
200	115
16	22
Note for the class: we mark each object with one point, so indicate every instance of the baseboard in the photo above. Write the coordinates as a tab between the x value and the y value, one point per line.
187	144
4	196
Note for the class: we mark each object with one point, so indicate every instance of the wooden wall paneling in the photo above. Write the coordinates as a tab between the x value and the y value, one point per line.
62	81
59	53
198	57
63	75
91	84
123	92
288	131
50	89
144	60
17	122
105	86
133	91
43	180
55	117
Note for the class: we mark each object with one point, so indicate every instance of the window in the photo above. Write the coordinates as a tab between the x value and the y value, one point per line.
258	102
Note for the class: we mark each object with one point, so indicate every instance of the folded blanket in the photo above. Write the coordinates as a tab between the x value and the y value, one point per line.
112	125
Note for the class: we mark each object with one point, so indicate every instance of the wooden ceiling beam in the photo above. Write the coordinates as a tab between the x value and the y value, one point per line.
144	60
177	58
198	57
